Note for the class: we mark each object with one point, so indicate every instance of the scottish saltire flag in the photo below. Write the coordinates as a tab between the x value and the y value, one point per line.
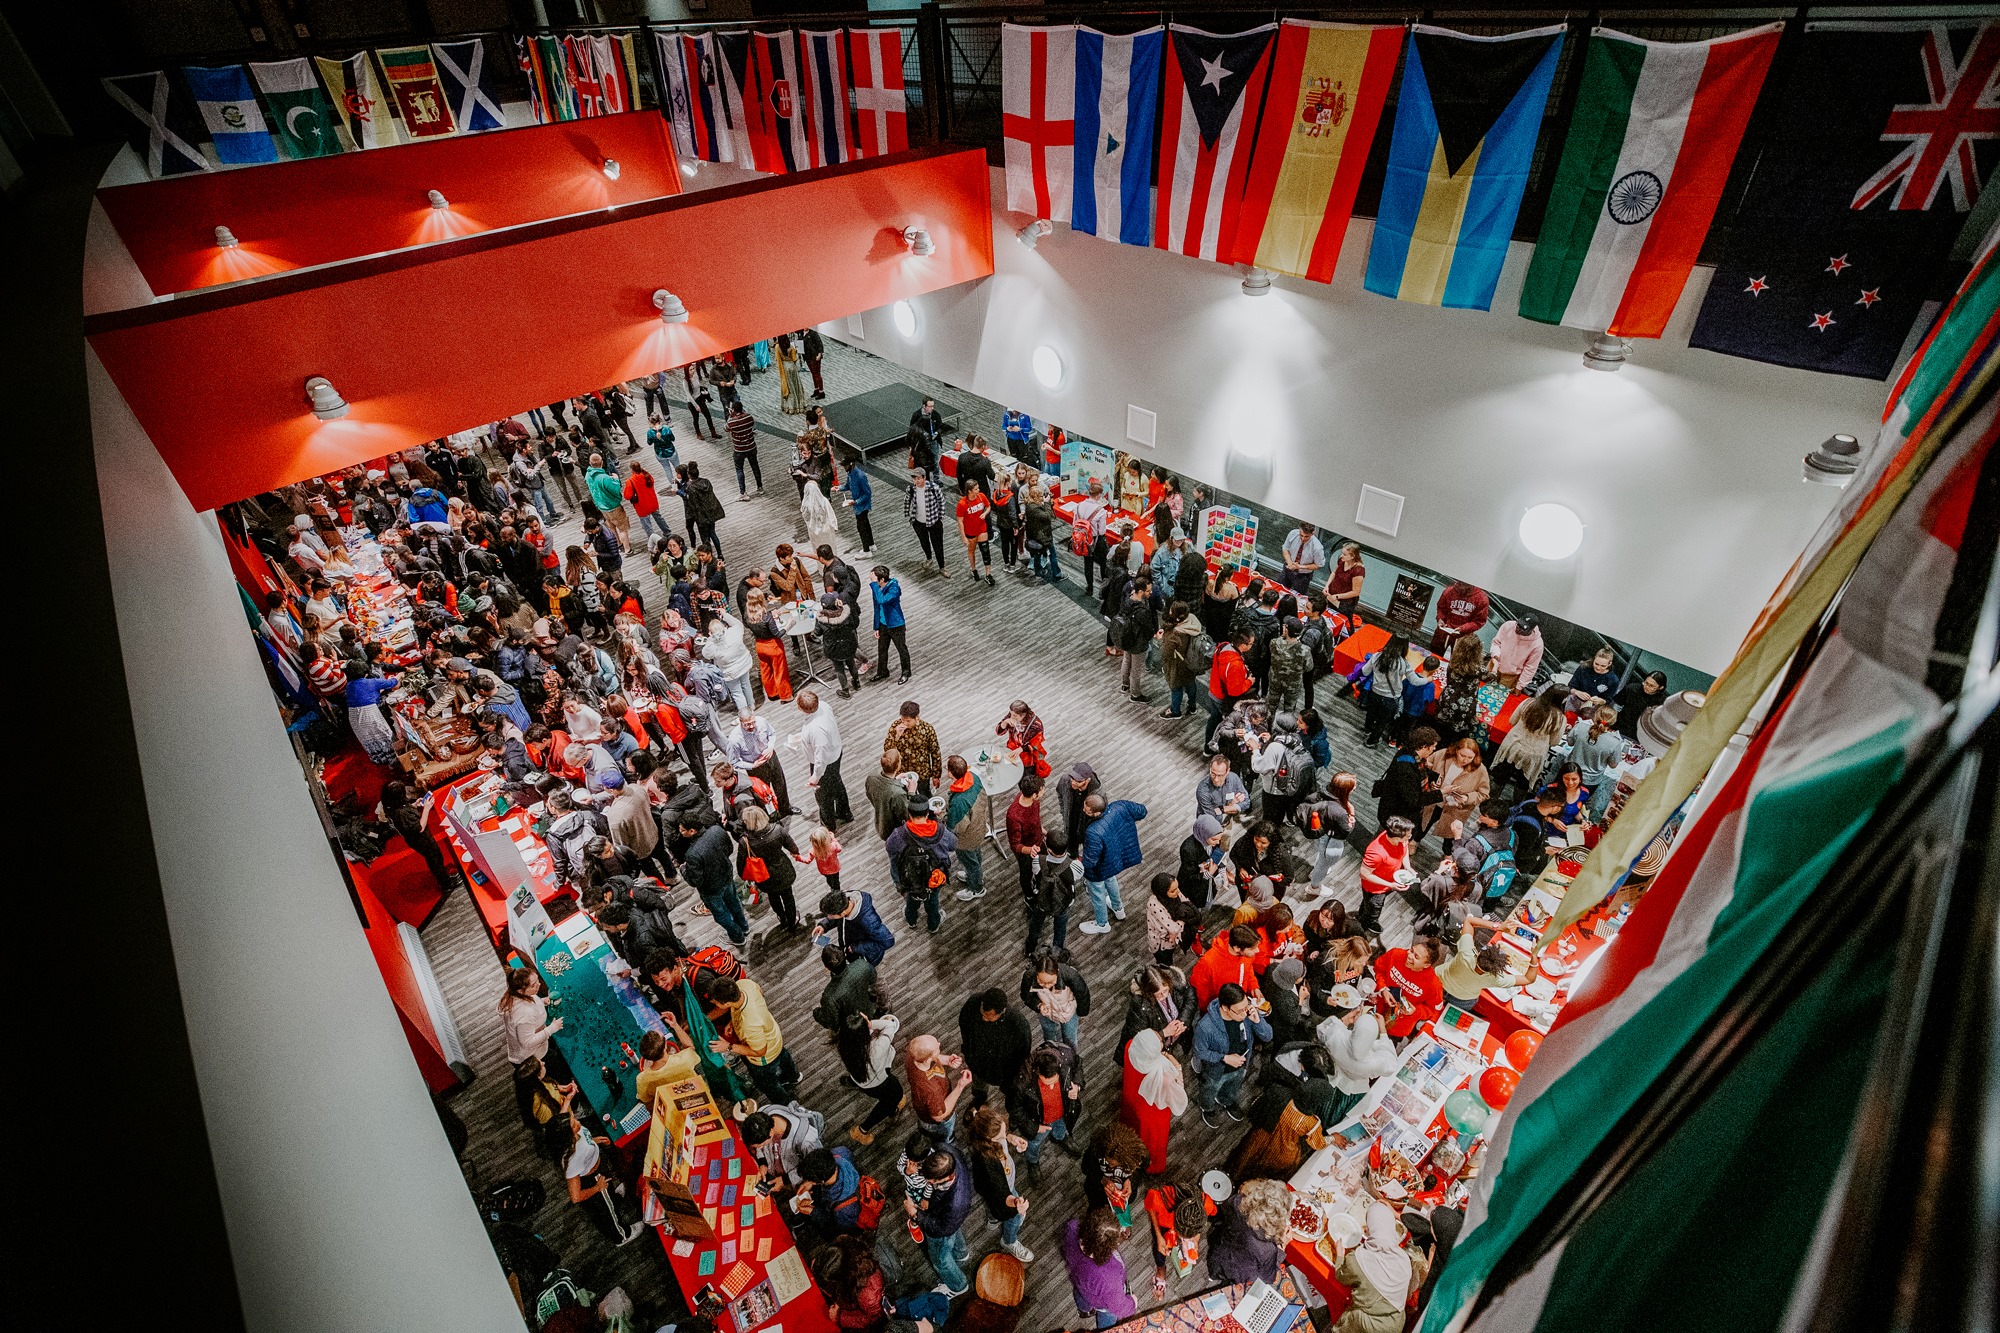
468	85
229	108
1117	106
1467	119
167	136
824	73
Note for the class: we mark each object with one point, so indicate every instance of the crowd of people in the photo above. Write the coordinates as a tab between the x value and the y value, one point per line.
629	710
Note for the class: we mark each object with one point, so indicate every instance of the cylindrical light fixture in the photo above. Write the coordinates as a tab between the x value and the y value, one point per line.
1048	366
611	168
1256	281
225	238
905	316
326	402
672	309
1034	232
1834	462
919	241
1551	531
1606	352
438	200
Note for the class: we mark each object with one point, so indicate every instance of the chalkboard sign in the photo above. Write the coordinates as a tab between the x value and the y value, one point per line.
1411	601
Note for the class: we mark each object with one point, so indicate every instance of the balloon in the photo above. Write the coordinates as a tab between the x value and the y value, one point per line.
1496	1086
1464	1112
1521	1048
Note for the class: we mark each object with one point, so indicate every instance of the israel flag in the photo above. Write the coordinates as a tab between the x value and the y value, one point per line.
1117	104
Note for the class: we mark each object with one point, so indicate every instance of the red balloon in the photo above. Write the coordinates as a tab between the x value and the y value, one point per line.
1521	1048
1496	1086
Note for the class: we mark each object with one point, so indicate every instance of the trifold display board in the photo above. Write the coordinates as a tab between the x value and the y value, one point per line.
728	1245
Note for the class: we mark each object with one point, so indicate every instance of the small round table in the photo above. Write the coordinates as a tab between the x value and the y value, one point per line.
995	766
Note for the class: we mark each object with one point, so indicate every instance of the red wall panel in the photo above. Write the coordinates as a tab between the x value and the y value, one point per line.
442	339
325	209
387	946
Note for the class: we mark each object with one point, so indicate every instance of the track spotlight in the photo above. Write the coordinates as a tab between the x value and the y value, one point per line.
1607	352
1034	232
919	241
438	200
1834	462
611	168
1256	281
327	404
225	238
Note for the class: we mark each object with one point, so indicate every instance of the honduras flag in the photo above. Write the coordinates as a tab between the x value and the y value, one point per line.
1117	103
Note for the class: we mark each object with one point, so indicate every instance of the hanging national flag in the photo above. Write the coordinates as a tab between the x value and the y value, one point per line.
875	67
229	109
1214	84
357	95
733	77
1117	104
413	82
685	64
1656	128
579	61
538	92
823	57
468	85
1883	138
671	49
1037	118
302	115
1467	119
552	59
777	117
169	132
1328	83
614	84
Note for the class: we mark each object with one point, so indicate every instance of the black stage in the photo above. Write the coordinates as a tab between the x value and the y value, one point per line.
880	417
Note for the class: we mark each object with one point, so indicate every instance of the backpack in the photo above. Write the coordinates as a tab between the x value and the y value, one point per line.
1320	819
1319	645
872	1197
1497	871
921	868
1381	786
1199	652
713	961
1295	770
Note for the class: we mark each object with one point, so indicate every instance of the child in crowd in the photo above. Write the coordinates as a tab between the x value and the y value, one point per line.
824	849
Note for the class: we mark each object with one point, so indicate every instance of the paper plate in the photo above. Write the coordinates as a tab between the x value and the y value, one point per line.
1343	1231
1345	996
1306	1222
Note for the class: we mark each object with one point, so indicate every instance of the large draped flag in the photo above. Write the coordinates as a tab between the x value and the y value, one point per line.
1214	83
1467	119
413	82
875	68
1884	137
1656	128
580	64
167	136
551	62
823	67
1117	106
731	72
1767	829
777	115
357	94
1037	117
302	115
538	89
468	85
229	109
686	63
1328	83
617	73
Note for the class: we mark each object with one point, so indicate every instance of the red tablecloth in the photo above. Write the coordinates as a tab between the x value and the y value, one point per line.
1357	647
486	895
353	775
401	879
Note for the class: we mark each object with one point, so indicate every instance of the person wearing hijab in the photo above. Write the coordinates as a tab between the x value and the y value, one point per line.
1291	1007
1154	1094
1445	1224
1286	1123
1377	1272
1361	1054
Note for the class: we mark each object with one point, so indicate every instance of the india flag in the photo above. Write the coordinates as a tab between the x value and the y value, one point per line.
1656	128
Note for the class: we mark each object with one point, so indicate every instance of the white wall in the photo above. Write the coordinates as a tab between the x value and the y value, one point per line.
1684	466
345	1209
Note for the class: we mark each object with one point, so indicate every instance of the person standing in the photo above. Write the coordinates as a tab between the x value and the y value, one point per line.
926	436
924	507
920	854
742	429
1096	1272
758	1039
972	512
937	1082
530	477
995	1038
709	865
1110	846
609	497
814	348
860	499
887	594
1057	994
966	816
941	1215
1224	1040
1038	525
1461	610
992	1147
1377	1275
820	735
1024	835
1154	1093
1387	857
916	740
867	1049
701	505
1304	557
1056	879
722	374
1048	1101
1229	680
838	627
1343	584
660	435
701	404
646	503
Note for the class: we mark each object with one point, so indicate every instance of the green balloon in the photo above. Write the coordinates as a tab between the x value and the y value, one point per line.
1464	1112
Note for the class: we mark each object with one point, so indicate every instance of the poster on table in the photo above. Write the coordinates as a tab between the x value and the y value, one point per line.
1082	461
1400	1110
1228	539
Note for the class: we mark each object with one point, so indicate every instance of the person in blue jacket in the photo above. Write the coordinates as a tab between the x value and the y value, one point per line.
1224	1040
426	505
849	921
1110	845
861	499
888	595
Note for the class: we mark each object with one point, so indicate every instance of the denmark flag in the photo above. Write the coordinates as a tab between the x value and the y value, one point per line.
875	67
1038	118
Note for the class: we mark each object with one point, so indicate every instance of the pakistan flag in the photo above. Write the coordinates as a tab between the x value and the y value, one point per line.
302	115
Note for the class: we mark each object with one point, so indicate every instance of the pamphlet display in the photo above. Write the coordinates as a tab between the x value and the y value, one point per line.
1228	539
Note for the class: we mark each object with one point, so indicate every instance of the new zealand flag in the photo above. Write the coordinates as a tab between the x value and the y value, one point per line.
1884	137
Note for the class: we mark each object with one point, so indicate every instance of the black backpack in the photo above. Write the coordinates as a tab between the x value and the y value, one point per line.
921	867
1295	771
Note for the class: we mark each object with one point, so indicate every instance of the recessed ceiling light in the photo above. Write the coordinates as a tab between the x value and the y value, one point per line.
905	316
1551	531
1048	366
327	404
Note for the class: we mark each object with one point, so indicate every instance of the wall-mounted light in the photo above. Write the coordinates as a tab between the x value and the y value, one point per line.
688	170
1256	281
672	309
225	238
611	168
1551	531
905	316
438	200
1607	352
327	404
1834	462
1034	232
919	241
1048	366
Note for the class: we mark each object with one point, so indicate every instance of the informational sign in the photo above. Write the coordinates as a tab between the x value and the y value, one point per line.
1228	539
1411	601
1083	460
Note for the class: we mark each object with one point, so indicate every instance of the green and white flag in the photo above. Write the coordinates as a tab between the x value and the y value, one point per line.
301	112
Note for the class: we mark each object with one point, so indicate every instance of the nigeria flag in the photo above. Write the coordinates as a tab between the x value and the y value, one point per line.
301	112
1656	128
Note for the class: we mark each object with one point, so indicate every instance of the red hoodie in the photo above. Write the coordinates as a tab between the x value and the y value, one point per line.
1218	967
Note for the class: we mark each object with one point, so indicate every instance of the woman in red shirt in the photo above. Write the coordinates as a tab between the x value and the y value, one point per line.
646	502
1407	989
973	507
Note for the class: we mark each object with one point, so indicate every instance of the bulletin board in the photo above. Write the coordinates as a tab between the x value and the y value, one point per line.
1228	539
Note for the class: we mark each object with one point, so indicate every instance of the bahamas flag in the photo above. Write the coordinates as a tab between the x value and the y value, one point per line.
1466	124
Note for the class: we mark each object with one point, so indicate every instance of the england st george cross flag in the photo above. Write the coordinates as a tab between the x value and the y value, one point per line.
1037	118
1882	143
1117	104
1214	85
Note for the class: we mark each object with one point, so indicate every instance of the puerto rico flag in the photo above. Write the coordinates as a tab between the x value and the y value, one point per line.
1214	83
823	68
875	66
1037	118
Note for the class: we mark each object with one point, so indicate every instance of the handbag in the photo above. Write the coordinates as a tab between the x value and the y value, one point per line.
755	870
